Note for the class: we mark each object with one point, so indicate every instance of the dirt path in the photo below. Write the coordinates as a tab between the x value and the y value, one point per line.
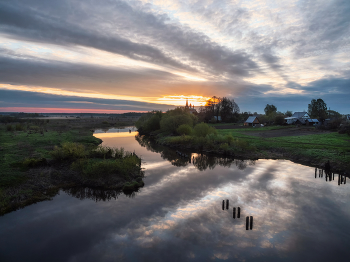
285	132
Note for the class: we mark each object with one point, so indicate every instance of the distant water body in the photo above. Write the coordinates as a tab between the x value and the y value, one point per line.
178	215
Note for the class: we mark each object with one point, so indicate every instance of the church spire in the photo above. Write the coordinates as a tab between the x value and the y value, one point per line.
186	102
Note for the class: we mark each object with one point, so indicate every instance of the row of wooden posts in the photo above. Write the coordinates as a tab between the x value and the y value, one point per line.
330	176
249	222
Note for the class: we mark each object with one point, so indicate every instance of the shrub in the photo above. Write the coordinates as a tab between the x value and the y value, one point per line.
95	168
149	122
34	128
34	162
20	127
224	147
184	130
103	152
68	150
203	129
229	139
9	128
279	120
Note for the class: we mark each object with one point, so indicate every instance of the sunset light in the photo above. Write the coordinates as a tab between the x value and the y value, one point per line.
174	130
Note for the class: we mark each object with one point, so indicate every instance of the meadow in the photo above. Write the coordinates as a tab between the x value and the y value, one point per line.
38	157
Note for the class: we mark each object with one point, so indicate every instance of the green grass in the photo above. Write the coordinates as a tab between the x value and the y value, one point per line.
322	147
17	146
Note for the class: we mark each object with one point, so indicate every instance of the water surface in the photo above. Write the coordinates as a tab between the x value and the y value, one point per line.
178	215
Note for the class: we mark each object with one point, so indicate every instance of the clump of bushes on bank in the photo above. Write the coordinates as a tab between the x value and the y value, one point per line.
168	122
205	137
68	150
98	163
97	168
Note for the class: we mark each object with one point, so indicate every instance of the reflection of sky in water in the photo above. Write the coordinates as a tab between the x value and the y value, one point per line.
177	216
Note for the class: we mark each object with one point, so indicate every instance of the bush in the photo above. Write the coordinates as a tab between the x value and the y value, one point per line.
9	128
184	130
279	120
34	128
224	147
149	122
68	150
95	168
34	162
20	127
203	129
102	152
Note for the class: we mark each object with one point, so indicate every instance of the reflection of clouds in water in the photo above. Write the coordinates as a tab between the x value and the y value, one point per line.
177	216
201	221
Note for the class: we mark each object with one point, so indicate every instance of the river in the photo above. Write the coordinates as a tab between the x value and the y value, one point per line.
178	214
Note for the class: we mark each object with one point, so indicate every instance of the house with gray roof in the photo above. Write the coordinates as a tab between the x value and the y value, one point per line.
297	117
252	121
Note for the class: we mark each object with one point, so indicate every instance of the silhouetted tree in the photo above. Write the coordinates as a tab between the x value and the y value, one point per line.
318	109
229	108
269	109
288	113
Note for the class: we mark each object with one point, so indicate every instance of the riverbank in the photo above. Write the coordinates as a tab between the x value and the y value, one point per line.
301	145
40	157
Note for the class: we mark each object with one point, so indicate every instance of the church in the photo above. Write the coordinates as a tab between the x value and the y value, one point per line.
190	107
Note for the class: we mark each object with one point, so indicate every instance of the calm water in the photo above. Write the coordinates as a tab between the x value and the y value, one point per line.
178	215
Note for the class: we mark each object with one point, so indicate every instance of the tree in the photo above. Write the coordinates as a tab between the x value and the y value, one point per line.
229	108
288	113
269	109
318	109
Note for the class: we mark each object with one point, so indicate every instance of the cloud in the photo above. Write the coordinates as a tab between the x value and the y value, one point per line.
16	98
154	40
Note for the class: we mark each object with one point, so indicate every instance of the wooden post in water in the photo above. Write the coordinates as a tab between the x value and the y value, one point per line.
326	177
333	176
227	204
339	180
319	173
315	172
251	222
234	213
246	223
223	204
344	180
238	212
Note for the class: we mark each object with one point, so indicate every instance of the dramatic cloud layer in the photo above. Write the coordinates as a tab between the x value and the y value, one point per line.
146	51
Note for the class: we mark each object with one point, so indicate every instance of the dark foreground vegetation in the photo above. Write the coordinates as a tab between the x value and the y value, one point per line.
40	157
180	129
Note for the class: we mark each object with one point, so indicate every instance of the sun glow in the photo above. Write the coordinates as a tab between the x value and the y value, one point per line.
180	100
176	100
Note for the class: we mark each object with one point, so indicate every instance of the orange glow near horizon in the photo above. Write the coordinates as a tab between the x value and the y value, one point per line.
180	100
64	110
176	100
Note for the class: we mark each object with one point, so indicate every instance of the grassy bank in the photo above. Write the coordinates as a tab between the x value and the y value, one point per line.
313	149
38	157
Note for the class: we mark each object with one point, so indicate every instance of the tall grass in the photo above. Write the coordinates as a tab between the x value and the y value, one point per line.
96	168
68	150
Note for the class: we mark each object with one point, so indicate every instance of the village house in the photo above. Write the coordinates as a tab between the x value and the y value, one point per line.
252	121
301	118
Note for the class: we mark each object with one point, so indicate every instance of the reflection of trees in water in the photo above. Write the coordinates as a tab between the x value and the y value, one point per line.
202	161
329	176
96	194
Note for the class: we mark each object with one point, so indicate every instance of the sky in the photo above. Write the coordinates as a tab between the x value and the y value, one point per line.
117	56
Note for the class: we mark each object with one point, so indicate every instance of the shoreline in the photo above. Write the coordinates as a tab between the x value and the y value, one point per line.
273	154
22	185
